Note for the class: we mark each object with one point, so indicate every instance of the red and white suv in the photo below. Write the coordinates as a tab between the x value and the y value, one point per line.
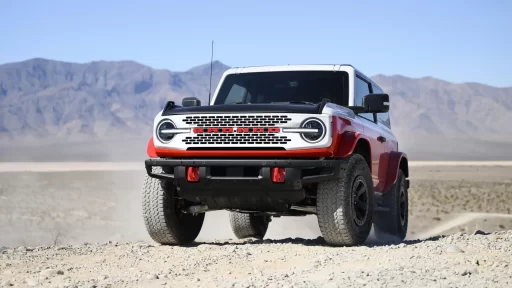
279	141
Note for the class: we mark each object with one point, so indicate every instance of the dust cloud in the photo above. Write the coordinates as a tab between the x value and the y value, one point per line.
216	227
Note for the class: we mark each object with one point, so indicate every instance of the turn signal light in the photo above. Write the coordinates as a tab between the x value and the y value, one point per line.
278	175
193	174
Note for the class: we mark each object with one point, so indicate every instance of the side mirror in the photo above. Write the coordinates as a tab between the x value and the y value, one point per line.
376	103
190	101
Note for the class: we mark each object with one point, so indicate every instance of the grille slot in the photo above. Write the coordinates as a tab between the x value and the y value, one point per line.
251	138
236	120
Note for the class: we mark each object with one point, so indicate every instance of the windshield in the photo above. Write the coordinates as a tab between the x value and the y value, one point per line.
287	86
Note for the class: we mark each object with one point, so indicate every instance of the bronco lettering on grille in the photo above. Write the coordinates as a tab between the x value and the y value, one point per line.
237	130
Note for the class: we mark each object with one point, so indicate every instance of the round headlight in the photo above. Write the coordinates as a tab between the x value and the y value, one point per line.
162	131
317	130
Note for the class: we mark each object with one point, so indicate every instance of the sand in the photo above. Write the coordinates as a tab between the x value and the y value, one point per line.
47	207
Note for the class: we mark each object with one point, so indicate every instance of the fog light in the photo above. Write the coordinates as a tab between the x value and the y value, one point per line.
193	174
278	175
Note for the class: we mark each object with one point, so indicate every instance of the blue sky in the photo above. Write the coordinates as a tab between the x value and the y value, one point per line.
456	40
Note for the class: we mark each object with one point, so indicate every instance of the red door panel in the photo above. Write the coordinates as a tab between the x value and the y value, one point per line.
382	141
371	131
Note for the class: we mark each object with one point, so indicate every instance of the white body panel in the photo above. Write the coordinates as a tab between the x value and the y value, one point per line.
293	140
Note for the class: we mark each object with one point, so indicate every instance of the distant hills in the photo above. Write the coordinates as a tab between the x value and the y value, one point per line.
44	101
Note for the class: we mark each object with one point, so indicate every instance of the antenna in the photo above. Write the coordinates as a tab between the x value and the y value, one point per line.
211	72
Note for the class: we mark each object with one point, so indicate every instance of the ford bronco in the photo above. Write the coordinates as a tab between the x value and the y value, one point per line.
279	141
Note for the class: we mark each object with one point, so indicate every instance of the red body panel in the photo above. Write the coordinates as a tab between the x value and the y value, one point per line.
392	170
348	143
383	153
151	149
385	159
379	153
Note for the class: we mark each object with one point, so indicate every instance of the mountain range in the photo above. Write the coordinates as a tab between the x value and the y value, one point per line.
47	103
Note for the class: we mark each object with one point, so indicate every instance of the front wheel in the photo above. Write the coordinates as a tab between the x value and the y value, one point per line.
345	205
165	222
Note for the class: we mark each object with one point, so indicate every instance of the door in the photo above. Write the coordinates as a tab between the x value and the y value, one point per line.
384	124
378	137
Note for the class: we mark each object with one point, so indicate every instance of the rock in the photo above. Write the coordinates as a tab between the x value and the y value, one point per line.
472	270
21	249
6	283
144	245
51	272
102	277
152	277
466	270
480	232
454	249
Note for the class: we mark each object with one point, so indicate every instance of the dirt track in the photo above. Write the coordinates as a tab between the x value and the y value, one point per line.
98	206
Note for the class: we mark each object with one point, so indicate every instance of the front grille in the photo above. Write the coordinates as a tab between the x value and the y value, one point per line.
256	138
236	121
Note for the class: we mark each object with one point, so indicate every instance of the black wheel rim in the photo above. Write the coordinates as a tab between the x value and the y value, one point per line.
359	201
402	204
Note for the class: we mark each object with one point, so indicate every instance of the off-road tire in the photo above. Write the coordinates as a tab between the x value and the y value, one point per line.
391	226
248	225
164	223
335	208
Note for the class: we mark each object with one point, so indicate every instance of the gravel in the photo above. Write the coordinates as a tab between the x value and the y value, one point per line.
101	206
458	260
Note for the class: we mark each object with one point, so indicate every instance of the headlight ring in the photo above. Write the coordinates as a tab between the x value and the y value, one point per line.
313	123
161	134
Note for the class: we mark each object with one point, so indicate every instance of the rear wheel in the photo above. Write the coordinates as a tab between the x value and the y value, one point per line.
248	225
391	226
345	205
165	222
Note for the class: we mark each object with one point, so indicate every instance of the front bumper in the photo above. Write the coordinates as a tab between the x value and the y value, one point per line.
245	183
298	171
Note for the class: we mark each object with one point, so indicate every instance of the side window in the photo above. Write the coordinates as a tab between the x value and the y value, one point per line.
362	89
236	94
383	118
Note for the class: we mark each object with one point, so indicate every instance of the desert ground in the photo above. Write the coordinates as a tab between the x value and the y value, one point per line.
49	210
